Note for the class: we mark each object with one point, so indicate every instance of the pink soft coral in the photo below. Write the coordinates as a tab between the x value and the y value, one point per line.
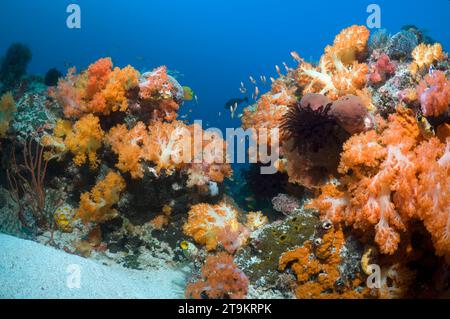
381	69
434	94
220	278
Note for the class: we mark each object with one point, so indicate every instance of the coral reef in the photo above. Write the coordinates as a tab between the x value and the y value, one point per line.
105	164
380	190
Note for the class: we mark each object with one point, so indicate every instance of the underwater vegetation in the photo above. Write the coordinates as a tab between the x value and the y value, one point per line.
98	163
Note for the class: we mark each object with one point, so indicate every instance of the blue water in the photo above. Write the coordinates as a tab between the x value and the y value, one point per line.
215	44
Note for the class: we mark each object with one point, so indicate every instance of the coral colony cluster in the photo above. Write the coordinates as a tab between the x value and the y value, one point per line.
97	164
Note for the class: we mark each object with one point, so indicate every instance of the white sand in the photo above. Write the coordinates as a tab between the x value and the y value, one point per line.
31	270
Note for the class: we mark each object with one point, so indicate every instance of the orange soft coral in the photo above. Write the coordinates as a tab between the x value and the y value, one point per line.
207	223
382	171
169	145
158	93
433	192
332	77
128	145
97	206
339	72
7	110
85	140
424	55
317	269
100	89
389	178
220	278
349	44
434	94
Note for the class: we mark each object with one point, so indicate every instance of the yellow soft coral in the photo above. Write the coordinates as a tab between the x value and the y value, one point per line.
424	55
120	81
7	110
84	140
349	44
206	223
100	89
96	206
128	145
55	143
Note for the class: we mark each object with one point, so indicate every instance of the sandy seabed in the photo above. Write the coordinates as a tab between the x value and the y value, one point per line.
32	270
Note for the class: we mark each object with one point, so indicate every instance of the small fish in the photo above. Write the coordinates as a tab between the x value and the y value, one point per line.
272	79
296	57
220	113
425	126
255	95
432	69
249	198
263	79
233	109
184	116
242	84
242	90
278	70
252	79
286	67
196	99
184	245
233	101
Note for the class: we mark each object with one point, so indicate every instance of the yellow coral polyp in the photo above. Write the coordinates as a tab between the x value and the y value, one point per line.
96	206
